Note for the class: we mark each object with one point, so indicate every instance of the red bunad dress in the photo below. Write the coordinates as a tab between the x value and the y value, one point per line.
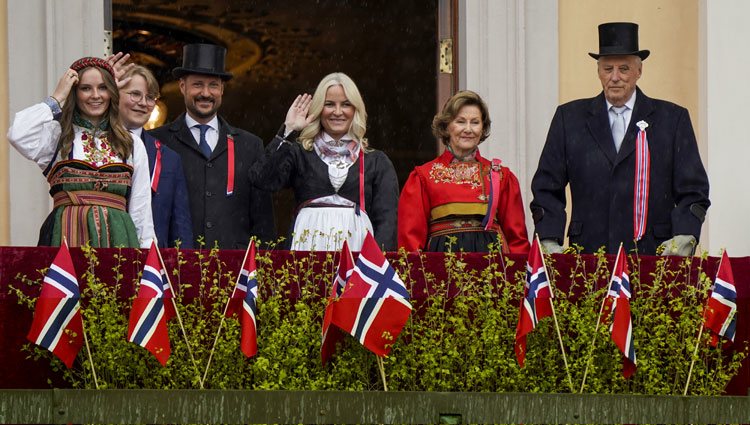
444	206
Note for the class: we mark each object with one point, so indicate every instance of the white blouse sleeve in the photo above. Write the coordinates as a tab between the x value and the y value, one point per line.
34	133
139	207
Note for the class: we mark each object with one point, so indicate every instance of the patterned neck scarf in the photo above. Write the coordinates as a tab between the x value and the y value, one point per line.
83	122
343	150
471	156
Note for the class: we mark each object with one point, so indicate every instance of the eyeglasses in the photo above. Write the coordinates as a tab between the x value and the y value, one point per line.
137	97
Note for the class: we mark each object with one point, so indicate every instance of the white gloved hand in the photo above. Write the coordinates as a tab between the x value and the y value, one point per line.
550	246
682	245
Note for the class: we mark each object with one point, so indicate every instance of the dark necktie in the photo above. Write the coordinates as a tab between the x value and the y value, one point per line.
203	144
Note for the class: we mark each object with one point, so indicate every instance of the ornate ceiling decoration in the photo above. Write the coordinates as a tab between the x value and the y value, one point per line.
259	42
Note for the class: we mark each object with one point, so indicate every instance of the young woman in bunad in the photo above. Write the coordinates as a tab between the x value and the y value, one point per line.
460	200
343	188
98	175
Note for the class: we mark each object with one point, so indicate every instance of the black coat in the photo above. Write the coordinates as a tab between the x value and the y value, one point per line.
580	151
228	220
289	165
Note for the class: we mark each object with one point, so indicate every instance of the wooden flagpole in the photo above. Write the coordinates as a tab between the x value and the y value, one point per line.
83	328
698	341
692	362
224	314
554	317
382	372
88	350
177	313
598	321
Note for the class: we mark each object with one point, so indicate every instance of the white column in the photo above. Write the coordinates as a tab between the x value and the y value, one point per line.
508	53
724	123
44	38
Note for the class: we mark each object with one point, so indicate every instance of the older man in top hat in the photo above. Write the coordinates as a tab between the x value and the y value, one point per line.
226	209
631	161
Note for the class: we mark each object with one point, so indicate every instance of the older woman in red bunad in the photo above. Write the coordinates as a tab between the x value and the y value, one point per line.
460	200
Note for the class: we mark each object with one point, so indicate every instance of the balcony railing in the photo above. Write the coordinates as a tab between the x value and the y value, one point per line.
327	407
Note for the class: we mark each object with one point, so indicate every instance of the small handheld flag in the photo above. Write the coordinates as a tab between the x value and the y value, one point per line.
147	325
719	316
622	325
721	312
332	334
537	300
57	324
243	303
374	306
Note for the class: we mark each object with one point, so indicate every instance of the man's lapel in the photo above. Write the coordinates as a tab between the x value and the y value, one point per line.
642	109
183	134
598	124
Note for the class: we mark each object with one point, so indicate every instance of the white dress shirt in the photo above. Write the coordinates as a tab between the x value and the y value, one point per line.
212	135
35	134
627	113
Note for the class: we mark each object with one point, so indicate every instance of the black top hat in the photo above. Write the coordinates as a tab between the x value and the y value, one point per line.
207	59
619	38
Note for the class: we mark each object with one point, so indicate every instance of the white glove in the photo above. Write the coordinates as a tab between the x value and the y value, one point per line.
682	245
550	246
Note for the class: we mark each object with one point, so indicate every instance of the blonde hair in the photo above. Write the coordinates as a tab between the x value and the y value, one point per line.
118	137
151	84
359	122
452	107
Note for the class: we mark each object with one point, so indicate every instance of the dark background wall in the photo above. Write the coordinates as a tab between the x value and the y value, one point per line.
278	49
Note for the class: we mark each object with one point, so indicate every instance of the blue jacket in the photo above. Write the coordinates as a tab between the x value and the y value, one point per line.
169	204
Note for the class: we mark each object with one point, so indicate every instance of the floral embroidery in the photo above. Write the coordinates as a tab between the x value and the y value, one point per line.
457	173
96	147
97	151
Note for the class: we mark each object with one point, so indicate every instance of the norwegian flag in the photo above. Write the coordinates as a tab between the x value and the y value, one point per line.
169	311
374	306
332	334
243	303
57	324
720	315
537	299
147	325
618	300
234	307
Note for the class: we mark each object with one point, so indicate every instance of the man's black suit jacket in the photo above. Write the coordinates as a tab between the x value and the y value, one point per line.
580	151
229	220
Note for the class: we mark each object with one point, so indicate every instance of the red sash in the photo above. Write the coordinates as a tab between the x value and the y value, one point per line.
642	183
495	177
157	168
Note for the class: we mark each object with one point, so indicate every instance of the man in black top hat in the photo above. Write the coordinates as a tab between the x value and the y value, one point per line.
226	209
632	163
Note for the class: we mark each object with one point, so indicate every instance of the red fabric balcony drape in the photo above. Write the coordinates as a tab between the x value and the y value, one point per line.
18	372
